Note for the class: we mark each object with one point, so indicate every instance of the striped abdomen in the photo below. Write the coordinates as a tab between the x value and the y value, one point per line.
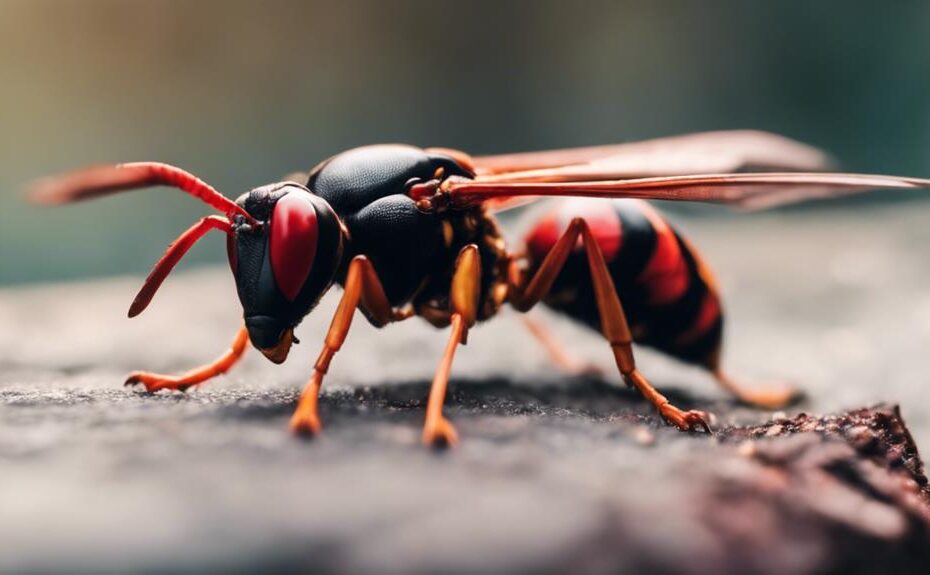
668	295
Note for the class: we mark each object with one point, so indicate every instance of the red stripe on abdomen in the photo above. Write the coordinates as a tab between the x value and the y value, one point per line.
665	277
603	223
707	316
605	227
543	237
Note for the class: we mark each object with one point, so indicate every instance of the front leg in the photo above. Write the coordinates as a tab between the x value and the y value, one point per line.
156	381
362	286
463	297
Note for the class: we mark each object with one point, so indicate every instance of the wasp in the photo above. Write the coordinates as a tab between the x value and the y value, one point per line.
410	232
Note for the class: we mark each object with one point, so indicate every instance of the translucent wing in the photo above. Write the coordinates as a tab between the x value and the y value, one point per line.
702	153
748	191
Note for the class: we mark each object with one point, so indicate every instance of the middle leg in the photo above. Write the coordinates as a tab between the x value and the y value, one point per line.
466	284
565	361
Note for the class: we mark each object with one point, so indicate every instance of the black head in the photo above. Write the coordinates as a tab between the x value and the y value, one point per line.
285	264
285	243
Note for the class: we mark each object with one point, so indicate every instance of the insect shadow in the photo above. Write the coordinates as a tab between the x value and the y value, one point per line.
579	396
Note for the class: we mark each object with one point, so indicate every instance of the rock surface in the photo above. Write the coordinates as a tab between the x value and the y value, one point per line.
553	474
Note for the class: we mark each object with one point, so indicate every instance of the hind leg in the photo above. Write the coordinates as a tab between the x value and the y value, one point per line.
613	321
773	396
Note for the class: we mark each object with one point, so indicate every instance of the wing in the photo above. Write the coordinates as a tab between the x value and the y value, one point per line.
748	191
702	153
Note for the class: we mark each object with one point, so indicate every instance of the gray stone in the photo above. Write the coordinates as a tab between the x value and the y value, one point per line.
553	473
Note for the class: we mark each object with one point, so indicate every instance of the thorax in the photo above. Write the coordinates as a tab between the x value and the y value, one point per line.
459	229
413	250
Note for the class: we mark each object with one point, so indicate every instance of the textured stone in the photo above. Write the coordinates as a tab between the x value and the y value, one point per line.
553	473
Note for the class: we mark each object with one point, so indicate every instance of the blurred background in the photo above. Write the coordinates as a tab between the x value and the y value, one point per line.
96	478
242	92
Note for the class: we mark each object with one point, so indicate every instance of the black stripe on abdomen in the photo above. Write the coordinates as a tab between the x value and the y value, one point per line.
668	305
691	327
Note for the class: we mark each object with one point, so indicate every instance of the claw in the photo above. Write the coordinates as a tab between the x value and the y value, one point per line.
154	382
692	420
440	433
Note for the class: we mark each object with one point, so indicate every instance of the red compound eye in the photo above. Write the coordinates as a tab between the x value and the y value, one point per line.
294	234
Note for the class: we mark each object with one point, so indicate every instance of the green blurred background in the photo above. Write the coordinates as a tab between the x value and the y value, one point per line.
242	92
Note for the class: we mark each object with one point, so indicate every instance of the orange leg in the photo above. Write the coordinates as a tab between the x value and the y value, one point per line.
613	321
562	359
155	381
437	430
773	397
362	286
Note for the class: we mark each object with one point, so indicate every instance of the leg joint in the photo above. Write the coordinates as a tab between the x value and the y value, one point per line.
623	354
578	223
